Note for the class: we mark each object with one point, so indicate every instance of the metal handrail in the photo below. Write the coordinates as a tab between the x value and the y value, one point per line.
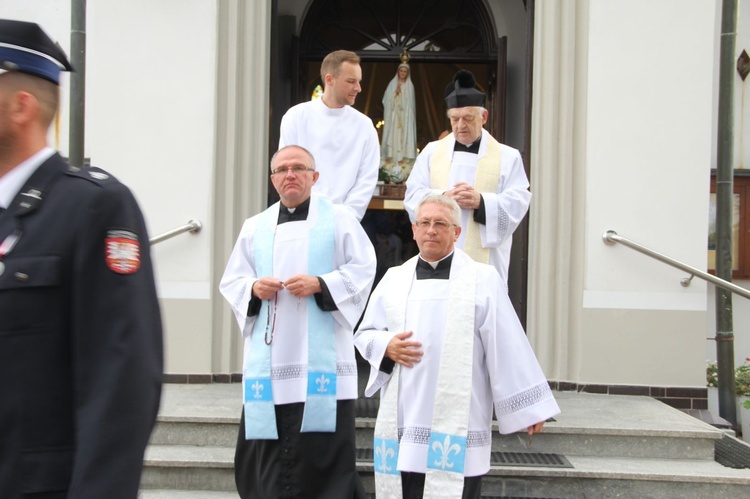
610	237
193	226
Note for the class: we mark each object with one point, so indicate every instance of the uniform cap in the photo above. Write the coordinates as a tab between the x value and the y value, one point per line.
461	92
26	48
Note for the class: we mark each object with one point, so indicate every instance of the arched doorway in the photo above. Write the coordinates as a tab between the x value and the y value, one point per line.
441	37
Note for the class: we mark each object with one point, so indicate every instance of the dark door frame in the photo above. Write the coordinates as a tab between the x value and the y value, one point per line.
286	72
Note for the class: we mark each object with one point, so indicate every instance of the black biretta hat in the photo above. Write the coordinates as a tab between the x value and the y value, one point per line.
26	48
461	92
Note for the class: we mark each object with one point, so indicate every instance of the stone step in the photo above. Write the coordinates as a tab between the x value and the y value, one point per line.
619	477
195	431
589	425
210	469
609	477
186	494
188	467
618	446
604	426
685	443
695	444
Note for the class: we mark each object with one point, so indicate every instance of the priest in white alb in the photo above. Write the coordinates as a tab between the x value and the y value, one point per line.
445	347
486	178
343	141
298	280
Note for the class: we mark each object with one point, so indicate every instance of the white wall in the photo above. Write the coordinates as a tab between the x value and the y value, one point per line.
150	104
150	92
649	137
150	120
649	145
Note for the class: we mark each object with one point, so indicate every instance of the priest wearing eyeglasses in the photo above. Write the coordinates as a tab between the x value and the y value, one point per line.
445	347
486	178
298	280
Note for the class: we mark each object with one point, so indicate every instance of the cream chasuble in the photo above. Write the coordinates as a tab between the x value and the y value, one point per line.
486	180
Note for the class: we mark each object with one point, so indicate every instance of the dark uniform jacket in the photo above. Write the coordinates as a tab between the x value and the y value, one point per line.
80	338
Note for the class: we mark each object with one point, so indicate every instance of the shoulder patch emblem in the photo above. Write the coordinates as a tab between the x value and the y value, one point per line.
122	251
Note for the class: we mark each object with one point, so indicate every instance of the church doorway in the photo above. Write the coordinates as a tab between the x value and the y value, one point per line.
439	36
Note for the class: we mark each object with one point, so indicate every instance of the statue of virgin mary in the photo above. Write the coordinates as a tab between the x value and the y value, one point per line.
398	149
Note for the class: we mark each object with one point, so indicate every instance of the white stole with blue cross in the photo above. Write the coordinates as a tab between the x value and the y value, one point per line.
320	404
448	434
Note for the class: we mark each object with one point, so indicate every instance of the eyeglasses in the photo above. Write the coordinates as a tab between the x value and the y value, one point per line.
297	170
440	225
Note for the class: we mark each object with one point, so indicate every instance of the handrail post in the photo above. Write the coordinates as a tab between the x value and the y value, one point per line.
193	226
611	237
724	201
724	336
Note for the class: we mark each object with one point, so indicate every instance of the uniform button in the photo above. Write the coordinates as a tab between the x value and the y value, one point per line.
20	276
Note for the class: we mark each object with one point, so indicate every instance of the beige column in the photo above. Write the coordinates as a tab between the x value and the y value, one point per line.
241	159
558	126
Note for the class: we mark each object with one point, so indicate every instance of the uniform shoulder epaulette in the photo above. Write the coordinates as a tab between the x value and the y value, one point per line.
92	173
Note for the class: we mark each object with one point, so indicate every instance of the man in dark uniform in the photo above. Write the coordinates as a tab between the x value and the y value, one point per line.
80	330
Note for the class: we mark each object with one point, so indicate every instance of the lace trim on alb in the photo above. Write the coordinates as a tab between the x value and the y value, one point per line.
420	435
299	371
503	221
522	400
352	290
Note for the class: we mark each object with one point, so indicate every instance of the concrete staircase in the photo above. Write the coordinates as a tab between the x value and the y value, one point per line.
617	446
191	453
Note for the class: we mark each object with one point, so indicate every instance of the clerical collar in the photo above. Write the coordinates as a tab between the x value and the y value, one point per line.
441	269
473	148
293	214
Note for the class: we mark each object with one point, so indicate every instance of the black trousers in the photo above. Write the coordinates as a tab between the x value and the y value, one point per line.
412	485
299	465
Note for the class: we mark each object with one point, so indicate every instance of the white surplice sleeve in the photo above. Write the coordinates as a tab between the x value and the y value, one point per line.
359	196
505	208
239	276
288	133
355	264
520	391
372	336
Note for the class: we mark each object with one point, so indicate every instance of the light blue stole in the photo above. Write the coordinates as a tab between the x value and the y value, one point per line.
320	405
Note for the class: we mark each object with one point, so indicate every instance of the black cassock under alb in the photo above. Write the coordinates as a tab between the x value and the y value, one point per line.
313	465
